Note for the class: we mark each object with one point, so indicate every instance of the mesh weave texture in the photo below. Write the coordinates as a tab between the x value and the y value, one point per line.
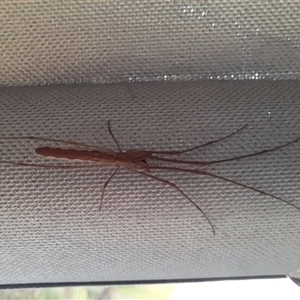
113	41
51	227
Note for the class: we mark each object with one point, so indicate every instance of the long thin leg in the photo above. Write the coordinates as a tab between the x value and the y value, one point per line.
112	135
47	166
204	173
204	163
182	193
200	146
105	185
80	145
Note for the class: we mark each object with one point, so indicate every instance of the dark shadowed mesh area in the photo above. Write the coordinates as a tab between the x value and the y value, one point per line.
150	67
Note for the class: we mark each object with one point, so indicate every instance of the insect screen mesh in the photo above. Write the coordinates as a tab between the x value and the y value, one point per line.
51	227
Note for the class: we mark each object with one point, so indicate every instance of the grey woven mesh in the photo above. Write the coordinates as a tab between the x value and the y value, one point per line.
51	227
